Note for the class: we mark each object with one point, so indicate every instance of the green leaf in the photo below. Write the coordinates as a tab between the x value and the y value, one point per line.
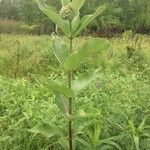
82	82
106	147
56	86
97	133
91	46
109	142
142	124
61	102
87	112
83	142
137	143
54	16
63	142
41	3
79	125
77	4
65	2
4	138
75	23
59	87
88	19
147	135
47	130
132	127
61	50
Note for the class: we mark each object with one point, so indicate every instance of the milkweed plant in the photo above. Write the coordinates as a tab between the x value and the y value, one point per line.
68	20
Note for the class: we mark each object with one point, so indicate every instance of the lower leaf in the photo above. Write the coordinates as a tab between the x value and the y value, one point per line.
81	83
47	130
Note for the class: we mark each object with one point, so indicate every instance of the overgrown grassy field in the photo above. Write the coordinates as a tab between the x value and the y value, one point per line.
121	94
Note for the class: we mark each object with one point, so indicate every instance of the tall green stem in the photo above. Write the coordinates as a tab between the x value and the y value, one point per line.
70	99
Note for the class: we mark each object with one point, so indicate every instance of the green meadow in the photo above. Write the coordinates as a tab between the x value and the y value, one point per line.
120	95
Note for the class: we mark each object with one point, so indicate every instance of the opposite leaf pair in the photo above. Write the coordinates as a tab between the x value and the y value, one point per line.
69	62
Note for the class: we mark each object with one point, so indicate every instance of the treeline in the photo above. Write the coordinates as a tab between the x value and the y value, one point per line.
121	15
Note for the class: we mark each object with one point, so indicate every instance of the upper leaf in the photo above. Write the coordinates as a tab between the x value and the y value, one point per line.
77	4
55	17
61	50
82	82
65	2
84	22
75	23
90	47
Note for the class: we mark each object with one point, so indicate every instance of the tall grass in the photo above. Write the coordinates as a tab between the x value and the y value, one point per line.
35	55
121	94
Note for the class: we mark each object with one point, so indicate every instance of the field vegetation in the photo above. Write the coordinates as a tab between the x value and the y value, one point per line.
120	95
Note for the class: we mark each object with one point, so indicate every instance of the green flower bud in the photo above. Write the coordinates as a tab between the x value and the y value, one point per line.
67	13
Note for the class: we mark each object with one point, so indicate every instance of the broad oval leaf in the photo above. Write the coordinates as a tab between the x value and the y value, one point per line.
79	125
90	47
59	87
60	48
82	82
61	102
56	86
87	112
63	142
47	130
75	23
84	22
77	4
54	16
65	2
83	142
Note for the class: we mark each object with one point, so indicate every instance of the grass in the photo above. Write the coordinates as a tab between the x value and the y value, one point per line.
121	94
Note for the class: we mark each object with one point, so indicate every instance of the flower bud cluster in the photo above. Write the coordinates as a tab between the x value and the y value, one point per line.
67	13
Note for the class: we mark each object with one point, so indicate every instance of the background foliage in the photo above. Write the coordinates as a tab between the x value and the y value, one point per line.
120	15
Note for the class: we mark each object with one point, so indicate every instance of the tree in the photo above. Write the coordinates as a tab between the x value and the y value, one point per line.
8	9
